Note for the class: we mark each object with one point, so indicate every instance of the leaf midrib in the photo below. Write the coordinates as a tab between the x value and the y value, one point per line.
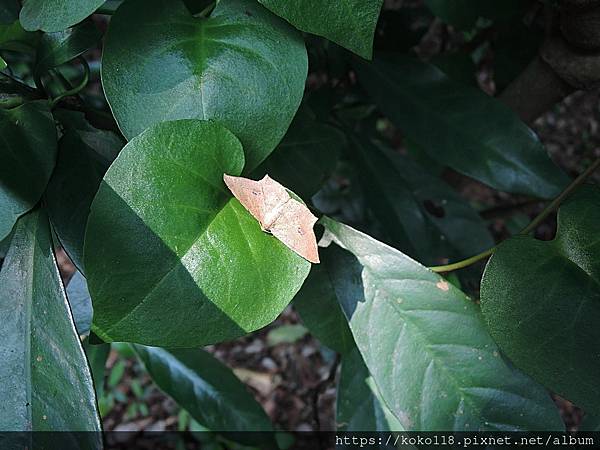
439	362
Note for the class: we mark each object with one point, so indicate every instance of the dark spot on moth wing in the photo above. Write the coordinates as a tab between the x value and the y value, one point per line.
248	13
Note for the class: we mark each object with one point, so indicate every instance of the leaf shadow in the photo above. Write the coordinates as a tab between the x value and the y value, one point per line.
151	297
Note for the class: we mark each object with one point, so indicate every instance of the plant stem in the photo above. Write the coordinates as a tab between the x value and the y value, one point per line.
76	89
552	206
109	7
464	263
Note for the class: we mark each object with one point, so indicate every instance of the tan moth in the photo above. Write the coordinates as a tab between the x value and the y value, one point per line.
278	213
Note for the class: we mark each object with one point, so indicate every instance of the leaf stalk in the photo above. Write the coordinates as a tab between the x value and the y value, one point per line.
552	206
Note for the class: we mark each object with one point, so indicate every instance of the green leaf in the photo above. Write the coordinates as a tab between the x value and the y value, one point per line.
207	389
474	134
14	37
306	156
27	158
464	13
55	15
171	258
4	244
243	66
13	93
97	356
349	23
46	384
422	215
80	303
2	64
541	301
321	313
426	345
61	47
458	66
286	334
84	155
9	11
360	406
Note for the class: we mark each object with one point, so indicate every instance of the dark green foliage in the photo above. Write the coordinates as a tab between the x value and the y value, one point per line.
118	121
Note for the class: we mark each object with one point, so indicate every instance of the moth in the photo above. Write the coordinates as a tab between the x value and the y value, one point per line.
278	213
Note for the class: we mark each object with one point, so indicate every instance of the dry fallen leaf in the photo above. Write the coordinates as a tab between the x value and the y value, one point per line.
278	212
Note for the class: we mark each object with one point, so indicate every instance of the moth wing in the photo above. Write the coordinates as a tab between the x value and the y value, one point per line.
275	196
249	193
294	227
261	198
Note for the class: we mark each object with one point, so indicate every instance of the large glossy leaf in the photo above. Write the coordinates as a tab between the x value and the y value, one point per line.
27	157
306	156
350	23
426	345
45	383
243	66
321	313
63	46
461	126
422	215
207	389
84	155
55	15
171	258
542	302
360	406
464	13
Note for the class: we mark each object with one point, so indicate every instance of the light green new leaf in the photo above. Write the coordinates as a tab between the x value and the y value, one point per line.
349	23
426	344
542	302
360	406
460	126
208	390
27	158
321	313
243	66
55	15
171	258
45	383
464	13
63	46
421	214
286	334
306	156
84	155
